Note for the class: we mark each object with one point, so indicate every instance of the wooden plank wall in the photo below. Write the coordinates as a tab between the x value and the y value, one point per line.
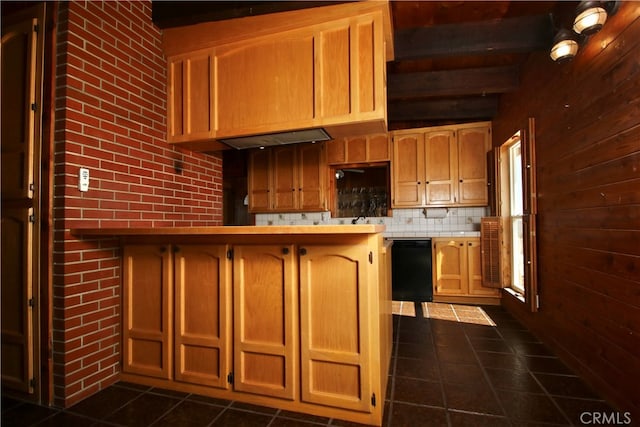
587	116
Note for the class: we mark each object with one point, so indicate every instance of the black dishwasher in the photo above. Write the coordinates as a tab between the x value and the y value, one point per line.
411	278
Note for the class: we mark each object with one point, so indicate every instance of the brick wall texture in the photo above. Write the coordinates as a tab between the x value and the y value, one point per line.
111	118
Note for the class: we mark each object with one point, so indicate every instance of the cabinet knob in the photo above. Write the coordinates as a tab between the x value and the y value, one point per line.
418	182
302	251
163	249
285	251
460	180
461	244
470	244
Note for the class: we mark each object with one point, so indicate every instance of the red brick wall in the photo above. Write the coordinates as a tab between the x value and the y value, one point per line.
111	119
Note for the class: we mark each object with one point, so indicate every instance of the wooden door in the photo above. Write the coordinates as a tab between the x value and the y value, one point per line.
311	177
265	320
473	144
450	267
147	275
202	314
474	271
285	183
259	181
191	97
408	170
441	167
334	322
21	82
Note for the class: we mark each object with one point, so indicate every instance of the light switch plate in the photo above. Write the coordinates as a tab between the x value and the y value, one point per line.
83	179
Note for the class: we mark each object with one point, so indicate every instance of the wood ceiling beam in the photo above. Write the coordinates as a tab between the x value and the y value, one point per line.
475	108
512	35
473	81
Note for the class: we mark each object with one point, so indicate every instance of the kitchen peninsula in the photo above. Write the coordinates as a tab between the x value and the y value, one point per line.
293	317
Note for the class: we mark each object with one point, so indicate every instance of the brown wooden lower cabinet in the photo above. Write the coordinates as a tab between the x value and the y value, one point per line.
297	326
335	350
457	272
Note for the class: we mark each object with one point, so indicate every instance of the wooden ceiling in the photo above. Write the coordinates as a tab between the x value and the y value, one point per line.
453	59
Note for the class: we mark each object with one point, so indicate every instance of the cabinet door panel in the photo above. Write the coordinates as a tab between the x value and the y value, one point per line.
334	334
357	150
264	328
147	274
441	172
408	170
336	151
311	176
190	97
473	145
284	178
378	148
259	181
202	348
365	66
450	269
474	264
262	73
335	79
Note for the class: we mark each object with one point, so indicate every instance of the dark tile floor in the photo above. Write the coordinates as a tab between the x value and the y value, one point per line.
452	366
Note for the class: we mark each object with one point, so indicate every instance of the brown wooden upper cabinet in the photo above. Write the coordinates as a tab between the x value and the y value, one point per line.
274	74
190	97
359	149
441	166
288	178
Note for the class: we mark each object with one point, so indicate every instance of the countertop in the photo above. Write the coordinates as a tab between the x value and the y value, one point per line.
233	230
431	235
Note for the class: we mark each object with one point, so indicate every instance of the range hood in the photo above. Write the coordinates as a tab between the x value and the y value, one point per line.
279	138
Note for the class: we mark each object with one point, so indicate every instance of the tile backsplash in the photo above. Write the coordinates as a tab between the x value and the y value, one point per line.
404	222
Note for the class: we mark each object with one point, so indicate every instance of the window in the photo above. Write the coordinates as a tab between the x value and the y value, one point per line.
516	209
515	215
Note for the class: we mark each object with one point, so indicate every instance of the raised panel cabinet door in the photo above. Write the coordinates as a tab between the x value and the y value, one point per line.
147	275
336	151
441	167
334	326
312	170
408	170
190	97
357	149
378	148
474	270
284	178
333	71
265	320
259	181
473	144
202	292
450	267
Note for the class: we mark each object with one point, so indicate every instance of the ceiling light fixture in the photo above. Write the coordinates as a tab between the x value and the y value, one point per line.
565	46
590	17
